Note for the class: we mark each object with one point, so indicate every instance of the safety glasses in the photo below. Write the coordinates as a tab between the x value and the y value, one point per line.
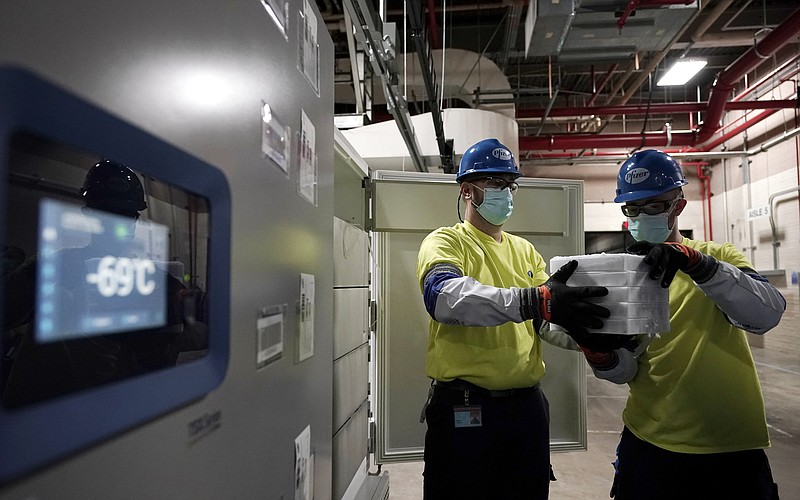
499	183
652	208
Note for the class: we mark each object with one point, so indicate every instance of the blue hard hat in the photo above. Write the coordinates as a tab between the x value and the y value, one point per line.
488	156
647	174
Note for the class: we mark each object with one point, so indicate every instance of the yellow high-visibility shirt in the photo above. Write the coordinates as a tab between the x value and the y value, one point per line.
697	389
497	357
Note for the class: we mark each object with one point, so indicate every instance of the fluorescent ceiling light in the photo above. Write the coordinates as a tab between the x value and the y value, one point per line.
681	72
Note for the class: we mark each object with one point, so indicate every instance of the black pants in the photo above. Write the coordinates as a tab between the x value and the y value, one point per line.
507	456
652	473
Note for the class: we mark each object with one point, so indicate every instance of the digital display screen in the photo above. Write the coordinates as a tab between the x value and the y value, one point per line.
115	291
97	273
105	273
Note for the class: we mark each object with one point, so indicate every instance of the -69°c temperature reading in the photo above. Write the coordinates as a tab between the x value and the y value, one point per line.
120	276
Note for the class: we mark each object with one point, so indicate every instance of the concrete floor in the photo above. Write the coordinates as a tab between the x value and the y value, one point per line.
587	475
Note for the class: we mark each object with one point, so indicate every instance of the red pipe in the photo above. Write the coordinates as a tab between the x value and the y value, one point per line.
622	140
705	195
633	4
720	91
568	155
734	123
602	84
741	95
642	109
433	25
738	130
726	80
628	10
742	118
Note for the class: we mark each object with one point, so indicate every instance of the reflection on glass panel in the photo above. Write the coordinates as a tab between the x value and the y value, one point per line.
104	271
110	285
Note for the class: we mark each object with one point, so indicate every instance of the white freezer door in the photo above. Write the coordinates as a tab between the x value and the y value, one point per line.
406	206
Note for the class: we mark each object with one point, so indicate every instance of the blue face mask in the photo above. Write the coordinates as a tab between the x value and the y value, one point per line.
652	228
497	205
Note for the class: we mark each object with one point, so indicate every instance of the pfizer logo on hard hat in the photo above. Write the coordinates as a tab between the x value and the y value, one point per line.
636	175
501	154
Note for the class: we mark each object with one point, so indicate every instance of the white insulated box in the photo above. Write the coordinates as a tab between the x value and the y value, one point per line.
638	304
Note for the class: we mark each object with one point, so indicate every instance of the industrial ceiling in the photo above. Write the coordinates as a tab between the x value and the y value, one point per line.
580	74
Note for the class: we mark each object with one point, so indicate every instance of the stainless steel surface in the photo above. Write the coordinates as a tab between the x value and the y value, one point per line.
197	75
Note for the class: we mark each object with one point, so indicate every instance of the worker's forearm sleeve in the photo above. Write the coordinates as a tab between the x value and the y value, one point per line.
748	300
464	301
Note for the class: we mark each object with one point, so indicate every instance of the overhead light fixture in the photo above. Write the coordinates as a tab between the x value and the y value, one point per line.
681	72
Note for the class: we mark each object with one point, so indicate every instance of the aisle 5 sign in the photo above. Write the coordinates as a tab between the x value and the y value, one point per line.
758	212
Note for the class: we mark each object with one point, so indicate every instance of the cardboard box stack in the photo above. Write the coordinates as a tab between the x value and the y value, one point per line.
637	303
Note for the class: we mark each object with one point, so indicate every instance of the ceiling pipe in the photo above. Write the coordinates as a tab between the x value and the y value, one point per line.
628	11
635	4
769	76
720	91
480	6
735	123
512	19
558	160
727	79
751	121
602	83
705	198
433	25
702	27
748	121
775	241
633	65
719	40
500	5
642	109
595	156
698	30
605	141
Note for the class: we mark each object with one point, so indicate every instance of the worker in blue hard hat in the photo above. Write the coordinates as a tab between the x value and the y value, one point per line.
654	177
490	300
695	425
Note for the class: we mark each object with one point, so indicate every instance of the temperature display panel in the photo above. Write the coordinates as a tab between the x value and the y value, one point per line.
114	279
113	310
97	273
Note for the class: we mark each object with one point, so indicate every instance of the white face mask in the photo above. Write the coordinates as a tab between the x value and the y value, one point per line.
652	228
497	205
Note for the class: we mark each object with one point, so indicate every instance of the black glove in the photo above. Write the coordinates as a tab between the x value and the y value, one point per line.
564	305
593	343
666	259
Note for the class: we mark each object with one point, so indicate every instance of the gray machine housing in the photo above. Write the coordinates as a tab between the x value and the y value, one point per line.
197	76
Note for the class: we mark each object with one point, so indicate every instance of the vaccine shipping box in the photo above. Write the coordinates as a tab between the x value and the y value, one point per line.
637	303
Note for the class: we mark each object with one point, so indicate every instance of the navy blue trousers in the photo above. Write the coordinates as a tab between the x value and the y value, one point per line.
507	456
649	472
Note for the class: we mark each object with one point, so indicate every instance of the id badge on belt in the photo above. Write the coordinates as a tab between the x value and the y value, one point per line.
467	416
